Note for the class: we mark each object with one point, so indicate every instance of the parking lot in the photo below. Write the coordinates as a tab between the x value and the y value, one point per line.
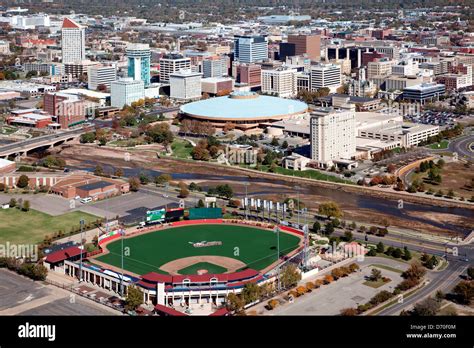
22	296
348	292
130	207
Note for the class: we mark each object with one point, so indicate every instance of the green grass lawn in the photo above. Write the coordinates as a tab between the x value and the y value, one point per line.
388	268
441	145
181	148
375	284
17	226
309	173
210	267
253	246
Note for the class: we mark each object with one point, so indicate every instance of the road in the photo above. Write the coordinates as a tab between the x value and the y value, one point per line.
441	281
20	145
463	146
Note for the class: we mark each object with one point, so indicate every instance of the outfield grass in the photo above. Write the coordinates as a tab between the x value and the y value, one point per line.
253	246
210	267
17	226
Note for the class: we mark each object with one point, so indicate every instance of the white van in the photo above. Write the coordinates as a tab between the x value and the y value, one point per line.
86	200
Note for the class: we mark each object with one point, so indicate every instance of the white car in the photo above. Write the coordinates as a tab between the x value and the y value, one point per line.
86	200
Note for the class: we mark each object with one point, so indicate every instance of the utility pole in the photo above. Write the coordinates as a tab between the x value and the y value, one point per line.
81	222
246	199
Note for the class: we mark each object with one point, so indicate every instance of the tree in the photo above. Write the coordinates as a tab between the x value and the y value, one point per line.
200	204
134	298
88	137
162	179
284	145
23	181
144	178
225	191
183	192
427	307
328	229
289	276
397	253
349	312
348	236
380	247
414	272
26	205
12	203
464	291
250	293
406	254
194	187
375	274
134	183
118	172
330	209
235	303
470	272
99	171
160	133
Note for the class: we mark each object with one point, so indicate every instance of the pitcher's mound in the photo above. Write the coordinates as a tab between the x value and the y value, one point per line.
201	271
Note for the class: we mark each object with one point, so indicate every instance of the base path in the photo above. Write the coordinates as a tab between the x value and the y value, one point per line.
229	263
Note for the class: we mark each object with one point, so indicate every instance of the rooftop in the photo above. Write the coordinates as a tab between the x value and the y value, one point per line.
95	185
255	106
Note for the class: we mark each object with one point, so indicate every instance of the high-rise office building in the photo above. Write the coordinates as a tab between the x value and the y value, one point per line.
101	75
126	91
248	74
185	85
307	44
325	75
280	82
172	63
139	62
250	49
215	66
73	42
332	135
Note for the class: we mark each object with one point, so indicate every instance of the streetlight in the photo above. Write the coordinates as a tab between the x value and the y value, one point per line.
81	222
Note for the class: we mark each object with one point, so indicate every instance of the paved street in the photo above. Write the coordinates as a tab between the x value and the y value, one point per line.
22	296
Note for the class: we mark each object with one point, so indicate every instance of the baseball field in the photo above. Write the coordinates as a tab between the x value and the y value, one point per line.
172	251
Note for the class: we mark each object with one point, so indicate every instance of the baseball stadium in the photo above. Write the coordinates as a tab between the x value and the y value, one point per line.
246	110
186	261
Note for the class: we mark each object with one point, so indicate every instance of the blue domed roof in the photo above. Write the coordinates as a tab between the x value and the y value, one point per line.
244	106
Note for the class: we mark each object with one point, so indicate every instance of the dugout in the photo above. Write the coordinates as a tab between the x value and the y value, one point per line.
204	213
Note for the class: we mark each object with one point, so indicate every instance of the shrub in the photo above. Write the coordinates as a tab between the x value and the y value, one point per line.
328	279
353	267
272	304
349	312
309	286
300	290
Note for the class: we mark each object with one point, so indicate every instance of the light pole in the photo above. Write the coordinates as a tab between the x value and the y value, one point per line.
297	188
277	231
122	232
81	222
246	199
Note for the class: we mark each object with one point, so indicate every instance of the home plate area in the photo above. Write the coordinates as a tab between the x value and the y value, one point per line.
202	265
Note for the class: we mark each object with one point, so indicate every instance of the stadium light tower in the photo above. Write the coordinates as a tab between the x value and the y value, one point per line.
81	222
277	231
246	184
297	188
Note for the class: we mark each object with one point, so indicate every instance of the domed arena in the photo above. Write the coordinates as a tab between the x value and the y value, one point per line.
246	110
